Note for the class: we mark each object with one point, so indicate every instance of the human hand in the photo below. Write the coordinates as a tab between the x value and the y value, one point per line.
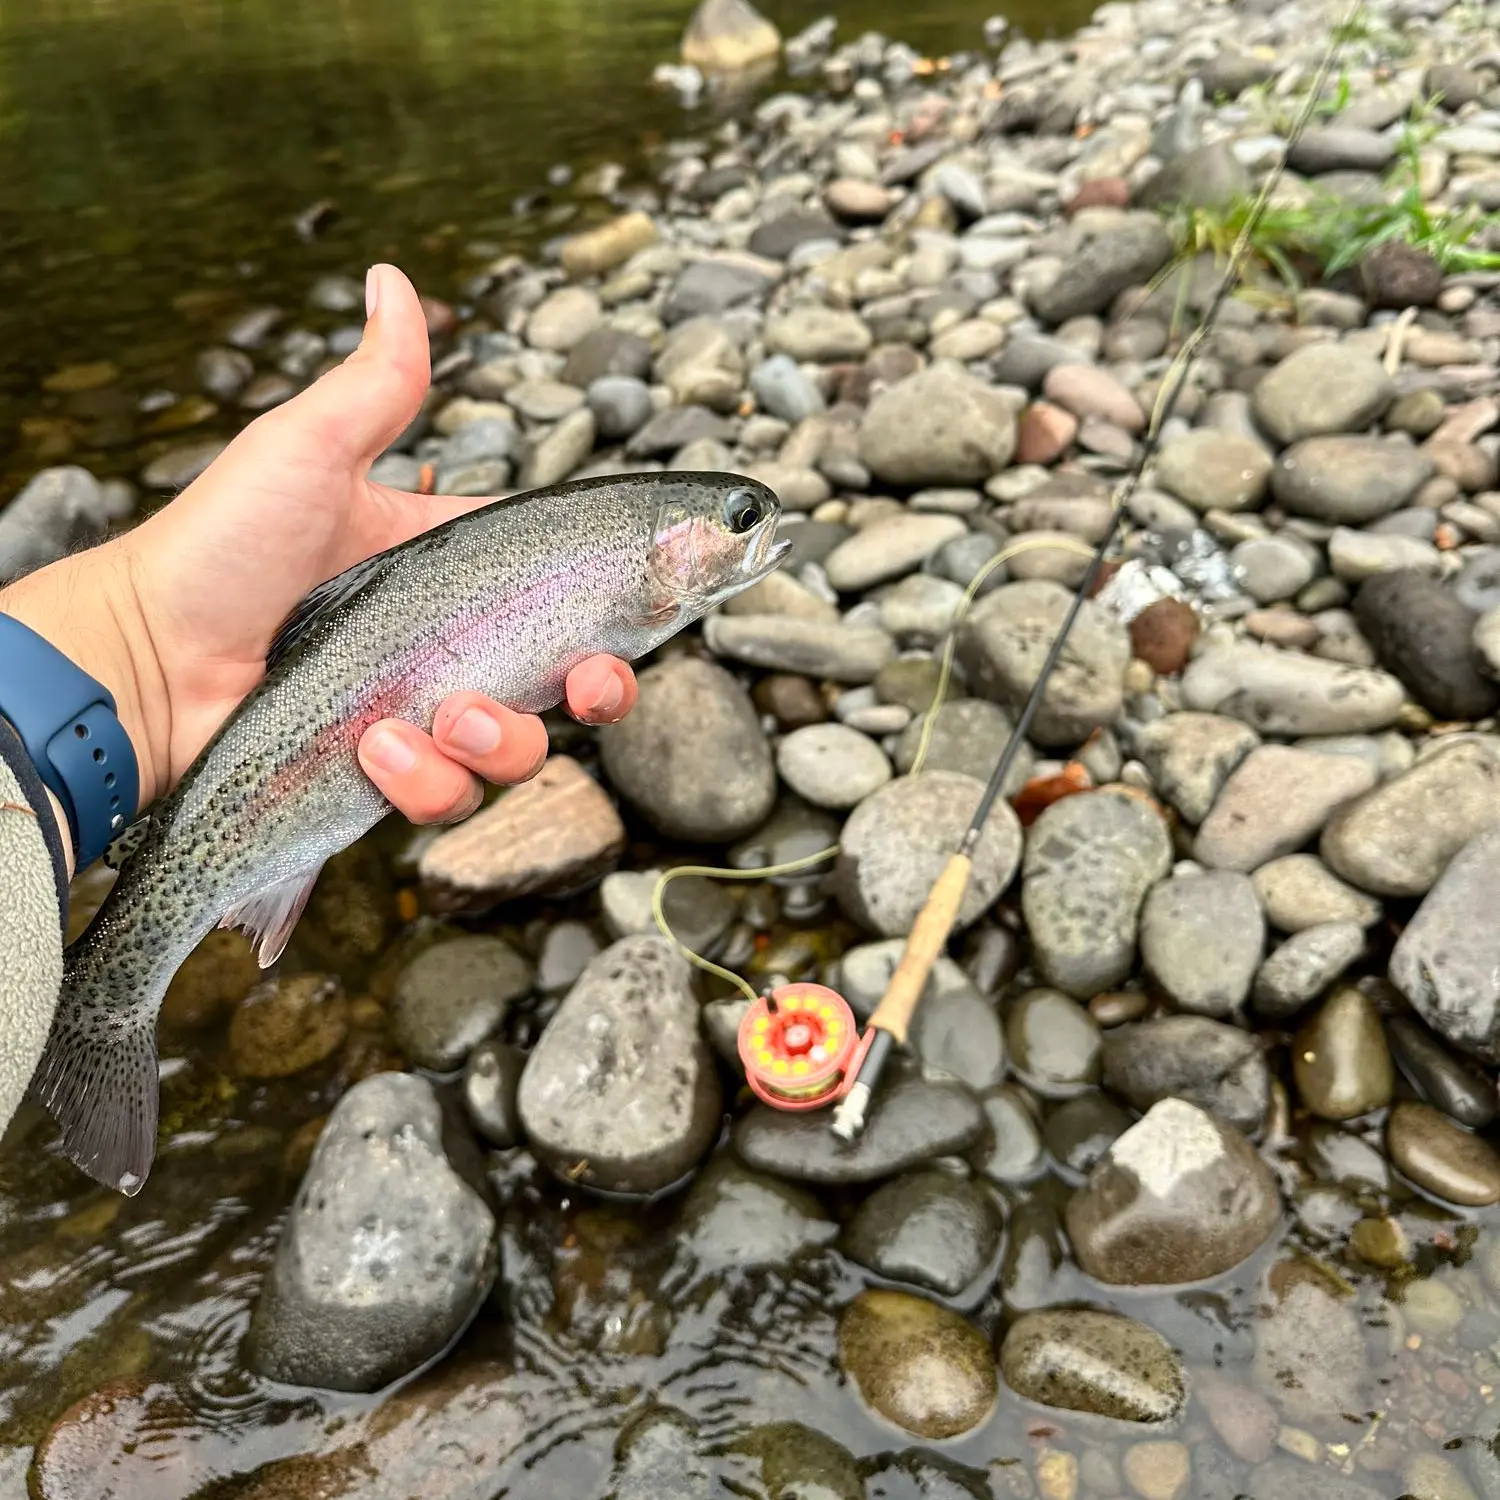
176	615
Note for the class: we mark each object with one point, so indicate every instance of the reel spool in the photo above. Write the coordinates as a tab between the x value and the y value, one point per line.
799	1045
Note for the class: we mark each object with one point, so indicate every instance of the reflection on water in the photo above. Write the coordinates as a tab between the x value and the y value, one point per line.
154	148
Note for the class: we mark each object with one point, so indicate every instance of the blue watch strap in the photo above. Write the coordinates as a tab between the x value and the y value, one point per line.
68	725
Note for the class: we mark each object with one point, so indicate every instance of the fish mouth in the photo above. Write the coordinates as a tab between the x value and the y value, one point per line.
766	556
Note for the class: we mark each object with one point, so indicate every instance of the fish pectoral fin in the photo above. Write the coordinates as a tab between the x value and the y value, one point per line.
268	917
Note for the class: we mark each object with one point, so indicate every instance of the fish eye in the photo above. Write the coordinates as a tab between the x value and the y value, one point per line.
742	511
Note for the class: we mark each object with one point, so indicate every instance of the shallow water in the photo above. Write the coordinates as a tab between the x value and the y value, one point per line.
154	155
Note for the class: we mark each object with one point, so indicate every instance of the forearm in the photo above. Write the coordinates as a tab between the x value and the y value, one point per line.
86	607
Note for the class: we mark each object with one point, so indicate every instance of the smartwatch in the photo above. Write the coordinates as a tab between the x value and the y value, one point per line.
68	724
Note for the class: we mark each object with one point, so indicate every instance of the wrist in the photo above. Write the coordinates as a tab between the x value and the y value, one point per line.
85	607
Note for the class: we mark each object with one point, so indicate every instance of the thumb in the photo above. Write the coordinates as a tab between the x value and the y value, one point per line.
349	416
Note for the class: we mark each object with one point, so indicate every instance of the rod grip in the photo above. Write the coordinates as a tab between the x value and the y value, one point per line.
926	941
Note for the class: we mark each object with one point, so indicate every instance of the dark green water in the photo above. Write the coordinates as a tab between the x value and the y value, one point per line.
155	148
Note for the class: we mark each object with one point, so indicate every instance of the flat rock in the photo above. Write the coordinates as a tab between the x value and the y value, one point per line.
1321	388
691	756
555	834
1102	265
1180	1197
918	1120
1004	642
735	1217
1220	1068
810	648
1349	481
1310	1360
452	996
889	549
969	736
818	335
1202	936
1191	755
1213	470
621	1092
1054	1044
1397	839
939	426
1446	960
1088	864
1424	634
898	840
387	1252
1276	800
1096	1363
1282	692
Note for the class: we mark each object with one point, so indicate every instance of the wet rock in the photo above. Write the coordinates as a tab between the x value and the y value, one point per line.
1102	265
224	373
1012	1149
832	765
1201	939
1310	1357
1398	839
621	1093
1454	1086
811	648
593	252
796	1461
492	1079
451	997
1282	692
733	1216
1088	864
181	464
285	1026
1190	757
213	979
897	841
1304	966
1097	1363
1299	891
1340	1060
1441	1157
930	1229
1423	634
1349	481
1004	642
1054	1043
657	1457
1220	1068
1158	1471
690	755
939	426
917	1121
1180	1197
387	1252
918	1365
1290	1478
54	511
1244	1420
1321	388
1079	1132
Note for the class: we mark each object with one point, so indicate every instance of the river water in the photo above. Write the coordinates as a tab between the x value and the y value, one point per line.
154	155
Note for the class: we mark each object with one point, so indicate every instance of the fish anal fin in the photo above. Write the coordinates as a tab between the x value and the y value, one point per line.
268	917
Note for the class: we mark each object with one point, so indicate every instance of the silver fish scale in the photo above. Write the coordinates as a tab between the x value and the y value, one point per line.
505	601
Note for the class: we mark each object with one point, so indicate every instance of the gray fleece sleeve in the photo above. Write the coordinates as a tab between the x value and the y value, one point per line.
33	913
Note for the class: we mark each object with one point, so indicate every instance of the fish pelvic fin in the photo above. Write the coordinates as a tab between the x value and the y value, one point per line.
269	916
98	1075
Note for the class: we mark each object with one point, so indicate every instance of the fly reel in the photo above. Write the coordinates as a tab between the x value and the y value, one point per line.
800	1046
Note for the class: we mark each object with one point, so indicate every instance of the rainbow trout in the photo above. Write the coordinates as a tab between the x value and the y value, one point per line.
504	600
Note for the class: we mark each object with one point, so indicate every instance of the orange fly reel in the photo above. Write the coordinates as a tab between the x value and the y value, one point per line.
799	1046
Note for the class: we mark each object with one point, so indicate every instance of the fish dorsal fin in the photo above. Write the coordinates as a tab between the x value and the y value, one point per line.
321	603
268	917
120	848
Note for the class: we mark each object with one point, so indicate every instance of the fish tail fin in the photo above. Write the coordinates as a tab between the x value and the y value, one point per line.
98	1074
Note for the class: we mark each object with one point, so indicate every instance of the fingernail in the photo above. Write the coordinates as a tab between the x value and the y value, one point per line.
390	752
372	291
611	695
475	732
